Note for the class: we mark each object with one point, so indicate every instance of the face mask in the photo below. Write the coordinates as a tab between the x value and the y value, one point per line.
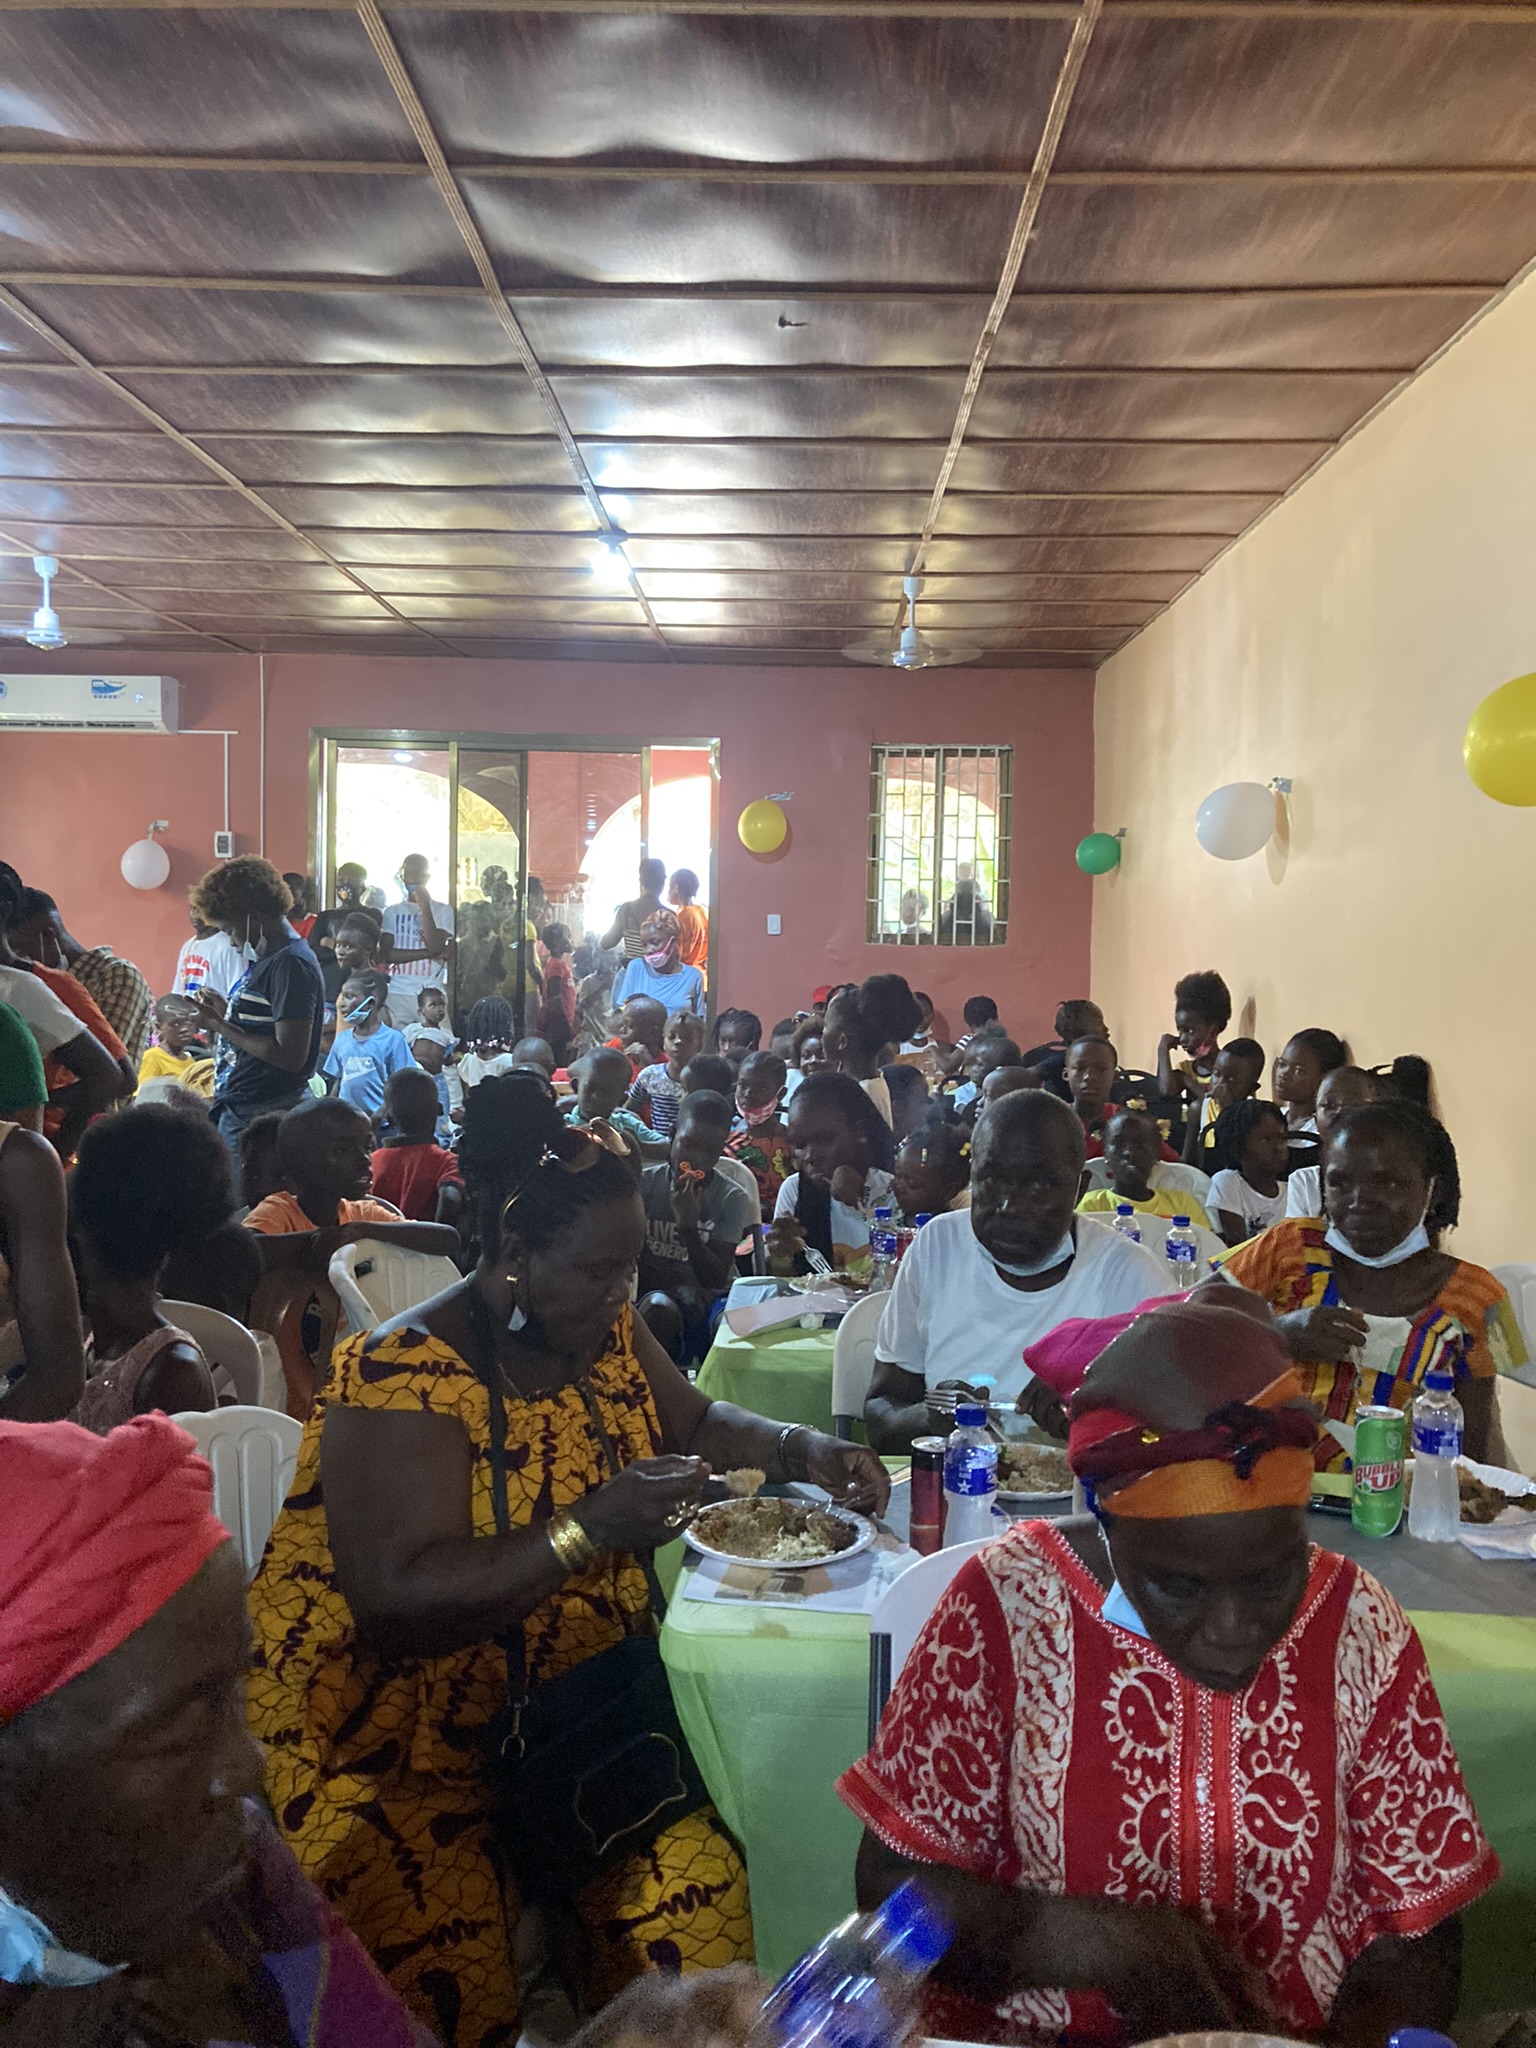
753	1117
1118	1609
1415	1242
1065	1250
29	1953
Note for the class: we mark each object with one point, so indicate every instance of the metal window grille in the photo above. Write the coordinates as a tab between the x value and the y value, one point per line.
939	839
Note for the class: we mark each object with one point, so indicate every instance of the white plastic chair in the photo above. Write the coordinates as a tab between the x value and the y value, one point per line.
375	1281
253	1452
1519	1283
230	1349
898	1616
853	1361
1189	1180
1154	1238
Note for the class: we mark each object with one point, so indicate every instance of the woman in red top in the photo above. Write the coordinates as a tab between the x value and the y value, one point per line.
1171	1768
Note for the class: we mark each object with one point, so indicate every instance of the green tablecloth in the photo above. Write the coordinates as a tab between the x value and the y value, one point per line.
775	1704
785	1374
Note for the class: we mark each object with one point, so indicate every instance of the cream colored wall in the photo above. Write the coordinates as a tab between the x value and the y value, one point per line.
1345	643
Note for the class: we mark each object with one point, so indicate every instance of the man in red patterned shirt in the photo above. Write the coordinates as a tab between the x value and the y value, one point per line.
1169	1767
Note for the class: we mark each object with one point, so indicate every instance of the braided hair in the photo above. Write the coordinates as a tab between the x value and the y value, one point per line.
876	1013
1233	1128
1429	1143
813	1207
511	1125
747	1020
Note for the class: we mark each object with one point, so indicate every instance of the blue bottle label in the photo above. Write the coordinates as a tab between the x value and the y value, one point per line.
1436	1440
972	1469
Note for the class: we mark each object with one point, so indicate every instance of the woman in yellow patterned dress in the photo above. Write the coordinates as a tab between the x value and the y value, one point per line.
385	1585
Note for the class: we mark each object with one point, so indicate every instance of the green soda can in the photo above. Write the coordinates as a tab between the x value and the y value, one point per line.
1376	1497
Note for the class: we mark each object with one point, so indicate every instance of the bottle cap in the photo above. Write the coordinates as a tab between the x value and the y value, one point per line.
1124	1209
1442	1380
970	1415
1418	2037
1181	1223
923	1216
910	1931
884	1212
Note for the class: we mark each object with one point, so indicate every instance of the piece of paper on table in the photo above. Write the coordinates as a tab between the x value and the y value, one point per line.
851	1588
771	1315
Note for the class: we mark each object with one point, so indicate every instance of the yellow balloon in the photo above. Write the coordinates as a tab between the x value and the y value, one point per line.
1499	746
762	826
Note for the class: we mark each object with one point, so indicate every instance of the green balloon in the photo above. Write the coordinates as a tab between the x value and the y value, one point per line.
1098	853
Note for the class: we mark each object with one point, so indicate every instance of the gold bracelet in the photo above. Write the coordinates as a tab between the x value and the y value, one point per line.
569	1541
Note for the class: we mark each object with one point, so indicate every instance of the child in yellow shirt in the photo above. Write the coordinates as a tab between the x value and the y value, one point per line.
1132	1147
172	1057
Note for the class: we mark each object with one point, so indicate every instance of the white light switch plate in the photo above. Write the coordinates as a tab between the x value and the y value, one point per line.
774	924
223	845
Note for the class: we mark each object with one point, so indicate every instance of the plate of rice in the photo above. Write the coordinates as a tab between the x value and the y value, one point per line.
1033	1473
779	1535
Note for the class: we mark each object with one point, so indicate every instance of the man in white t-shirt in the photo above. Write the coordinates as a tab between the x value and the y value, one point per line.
979	1284
421	933
210	960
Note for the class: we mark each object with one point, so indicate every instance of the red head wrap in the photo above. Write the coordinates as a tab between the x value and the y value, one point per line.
96	1534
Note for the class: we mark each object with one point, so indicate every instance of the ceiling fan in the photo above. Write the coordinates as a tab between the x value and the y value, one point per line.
43	630
911	649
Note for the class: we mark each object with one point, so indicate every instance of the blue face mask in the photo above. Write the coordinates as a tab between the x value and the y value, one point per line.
1415	1242
1065	1250
1118	1609
29	1953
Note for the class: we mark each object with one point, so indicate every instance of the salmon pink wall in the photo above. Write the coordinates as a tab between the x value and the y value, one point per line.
70	803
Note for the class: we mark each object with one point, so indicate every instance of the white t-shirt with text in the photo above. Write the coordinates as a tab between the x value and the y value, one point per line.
402	922
952	1315
213	963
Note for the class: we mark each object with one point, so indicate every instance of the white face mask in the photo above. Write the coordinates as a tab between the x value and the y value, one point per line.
1415	1242
1065	1250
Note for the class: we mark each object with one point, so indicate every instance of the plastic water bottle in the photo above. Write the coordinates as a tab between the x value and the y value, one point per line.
860	1987
1182	1251
923	1216
970	1478
1126	1224
882	1248
1434	1506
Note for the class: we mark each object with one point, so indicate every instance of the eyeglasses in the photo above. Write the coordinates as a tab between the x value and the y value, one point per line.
600	1135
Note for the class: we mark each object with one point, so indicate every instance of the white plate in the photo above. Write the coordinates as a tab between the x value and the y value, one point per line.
865	1533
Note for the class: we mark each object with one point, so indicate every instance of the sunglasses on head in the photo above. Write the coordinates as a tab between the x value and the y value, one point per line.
600	1136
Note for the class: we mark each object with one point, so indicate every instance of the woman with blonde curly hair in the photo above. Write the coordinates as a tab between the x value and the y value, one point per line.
269	1031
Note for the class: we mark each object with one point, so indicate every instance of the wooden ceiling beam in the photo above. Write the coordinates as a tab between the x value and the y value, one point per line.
564	171
746	373
1453	12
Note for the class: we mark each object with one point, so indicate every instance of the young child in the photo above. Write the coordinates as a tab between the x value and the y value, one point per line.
535	1052
1132	1148
1186	1055
410	1168
979	1012
982	1056
1300	1068
933	1170
760	1138
555	1018
640	1029
1251	1153
490	1033
709	1070
737	1033
367	1049
1343	1089
176	1054
659	1087
1237	1073
435	1050
694	1220
602	1080
922	1037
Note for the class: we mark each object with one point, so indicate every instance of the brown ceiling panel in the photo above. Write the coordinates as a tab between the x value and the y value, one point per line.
437	511
144	457
655	88
159	324
375	642
21	343
1260	466
473	615
244	626
410	401
894	332
586	649
649	552
634	466
1200	512
692	231
782	406
212	223
105	504
689	587
937	618
57	398
1307	91
471	550
199	606
153	580
830	640
414	461
1123	554
193	544
1232	331
837	512
427	580
1236	406
1280	232
285	83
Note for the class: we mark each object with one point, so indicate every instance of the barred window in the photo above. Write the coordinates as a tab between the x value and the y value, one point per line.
939	820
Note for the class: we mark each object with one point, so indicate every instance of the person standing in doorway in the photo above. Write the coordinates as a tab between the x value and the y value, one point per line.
630	918
420	934
351	887
692	922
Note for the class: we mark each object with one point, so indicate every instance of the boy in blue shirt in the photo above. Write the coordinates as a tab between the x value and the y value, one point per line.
368	1049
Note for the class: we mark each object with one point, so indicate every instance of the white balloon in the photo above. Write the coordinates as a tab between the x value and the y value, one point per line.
146	864
1236	820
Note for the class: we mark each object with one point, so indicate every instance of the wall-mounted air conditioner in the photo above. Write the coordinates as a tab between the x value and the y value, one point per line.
88	704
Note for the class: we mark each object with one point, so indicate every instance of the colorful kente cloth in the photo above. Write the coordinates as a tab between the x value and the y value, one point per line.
1469	1326
1034	1744
374	1767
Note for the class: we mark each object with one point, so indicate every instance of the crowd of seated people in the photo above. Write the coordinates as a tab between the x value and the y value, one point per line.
482	1481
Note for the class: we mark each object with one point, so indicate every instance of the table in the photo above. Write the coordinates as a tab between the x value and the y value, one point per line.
785	1374
775	1704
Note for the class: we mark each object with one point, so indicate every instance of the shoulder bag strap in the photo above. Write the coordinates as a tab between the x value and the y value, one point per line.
489	1374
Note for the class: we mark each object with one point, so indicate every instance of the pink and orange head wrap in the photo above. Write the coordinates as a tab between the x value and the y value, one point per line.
1194	1410
96	1534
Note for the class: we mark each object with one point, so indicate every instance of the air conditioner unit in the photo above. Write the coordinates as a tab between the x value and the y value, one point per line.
88	704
